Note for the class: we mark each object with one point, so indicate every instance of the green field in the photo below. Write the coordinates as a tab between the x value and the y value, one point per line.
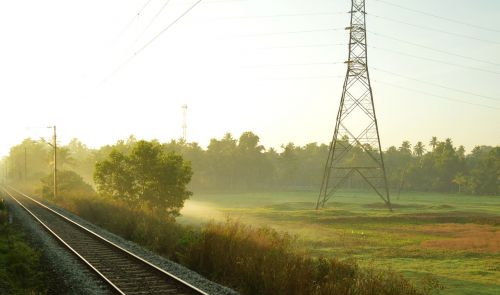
456	238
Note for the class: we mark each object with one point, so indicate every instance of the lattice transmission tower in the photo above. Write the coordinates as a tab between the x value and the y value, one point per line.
355	149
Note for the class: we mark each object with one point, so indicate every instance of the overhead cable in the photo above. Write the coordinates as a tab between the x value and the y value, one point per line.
440	17
436	84
434	49
434	29
152	21
435	95
134	18
147	44
284	33
437	60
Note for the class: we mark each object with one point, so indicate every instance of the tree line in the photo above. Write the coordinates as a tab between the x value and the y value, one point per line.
242	164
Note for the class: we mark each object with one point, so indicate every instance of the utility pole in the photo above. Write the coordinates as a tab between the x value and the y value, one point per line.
25	166
355	149
54	146
184	122
55	162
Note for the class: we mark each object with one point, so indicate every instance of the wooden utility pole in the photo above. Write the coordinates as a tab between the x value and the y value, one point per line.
55	161
25	166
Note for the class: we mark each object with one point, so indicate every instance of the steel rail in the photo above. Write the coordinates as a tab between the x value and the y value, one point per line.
131	256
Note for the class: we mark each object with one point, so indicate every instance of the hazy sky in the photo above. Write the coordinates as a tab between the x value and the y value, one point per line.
228	63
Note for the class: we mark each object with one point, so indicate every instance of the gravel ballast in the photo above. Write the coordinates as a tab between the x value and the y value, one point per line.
65	273
78	274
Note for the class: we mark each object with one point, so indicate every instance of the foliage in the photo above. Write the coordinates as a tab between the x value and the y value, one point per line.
28	161
146	176
243	164
19	263
69	185
484	167
263	261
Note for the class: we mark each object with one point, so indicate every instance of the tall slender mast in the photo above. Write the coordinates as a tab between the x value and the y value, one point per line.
184	122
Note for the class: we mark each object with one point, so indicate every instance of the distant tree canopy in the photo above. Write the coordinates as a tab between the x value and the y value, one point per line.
242	163
147	175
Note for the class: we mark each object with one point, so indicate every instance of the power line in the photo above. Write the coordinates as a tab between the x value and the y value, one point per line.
437	60
437	96
151	21
284	33
147	44
134	18
435	30
293	65
437	85
278	15
439	17
304	46
167	27
304	78
434	49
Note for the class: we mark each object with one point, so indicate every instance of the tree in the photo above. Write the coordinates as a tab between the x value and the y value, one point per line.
252	168
446	165
28	161
405	147
69	185
148	176
288	165
221	161
484	175
460	180
419	149
64	158
433	142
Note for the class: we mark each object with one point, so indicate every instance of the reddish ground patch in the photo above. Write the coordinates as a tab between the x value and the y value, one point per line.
466	237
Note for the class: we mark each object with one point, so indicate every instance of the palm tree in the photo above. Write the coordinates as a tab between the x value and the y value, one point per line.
405	147
419	149
434	142
64	157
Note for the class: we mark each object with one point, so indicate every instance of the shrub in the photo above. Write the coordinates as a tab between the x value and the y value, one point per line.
70	185
263	261
19	265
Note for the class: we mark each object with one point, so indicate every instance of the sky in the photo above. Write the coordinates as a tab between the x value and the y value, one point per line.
272	67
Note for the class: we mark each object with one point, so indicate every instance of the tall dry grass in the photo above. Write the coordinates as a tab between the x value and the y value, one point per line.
263	261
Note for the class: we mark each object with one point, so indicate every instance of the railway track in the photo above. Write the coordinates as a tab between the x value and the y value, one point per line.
122	270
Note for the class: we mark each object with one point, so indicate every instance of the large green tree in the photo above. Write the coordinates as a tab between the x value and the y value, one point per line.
147	176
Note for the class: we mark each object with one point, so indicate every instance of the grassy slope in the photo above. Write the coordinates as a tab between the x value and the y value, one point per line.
456	238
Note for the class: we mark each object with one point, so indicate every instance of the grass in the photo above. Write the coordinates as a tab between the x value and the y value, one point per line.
20	268
260	260
455	238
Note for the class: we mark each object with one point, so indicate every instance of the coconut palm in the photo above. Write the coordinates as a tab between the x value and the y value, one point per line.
419	149
434	142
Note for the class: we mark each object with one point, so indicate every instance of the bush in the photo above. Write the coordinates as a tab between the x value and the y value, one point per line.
263	261
3	212
19	265
70	185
